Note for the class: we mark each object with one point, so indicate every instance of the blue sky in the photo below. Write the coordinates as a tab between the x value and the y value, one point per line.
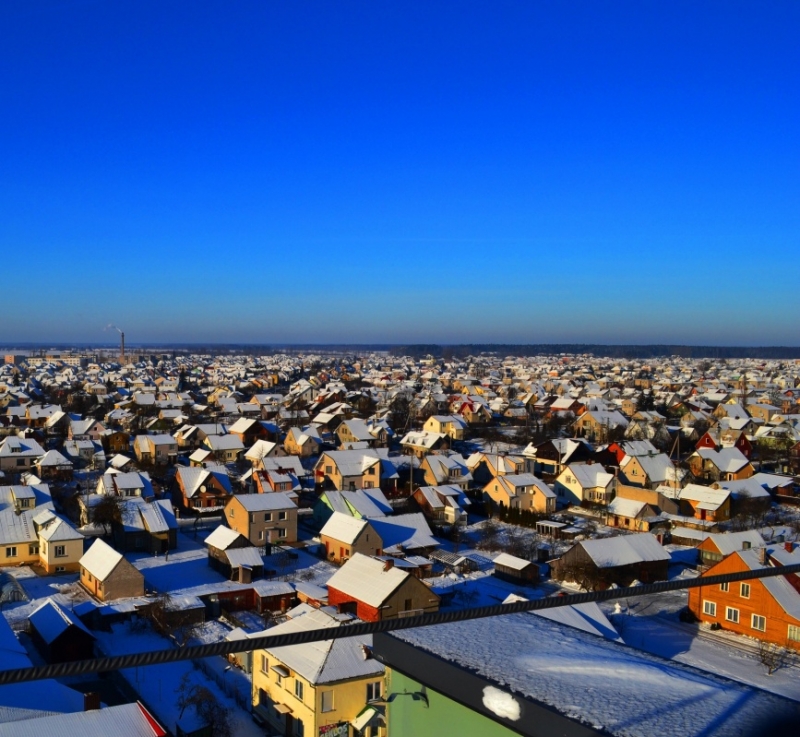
263	171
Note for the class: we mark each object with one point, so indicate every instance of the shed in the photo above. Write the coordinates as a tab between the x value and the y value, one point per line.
515	570
59	635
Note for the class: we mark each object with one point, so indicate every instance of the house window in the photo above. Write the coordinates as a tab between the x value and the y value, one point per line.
261	534
299	728
281	532
373	691
757	622
328	469
744	590
267	516
61	551
11	552
327	697
281	515
33	550
25	503
264	663
230	512
298	688
732	615
794	633
61	569
724	587
710	608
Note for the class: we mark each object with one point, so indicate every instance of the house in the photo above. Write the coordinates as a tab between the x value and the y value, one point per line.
716	546
146	525
59	635
522	491
631	514
446	469
728	464
651	471
303	442
515	570
157	450
376	590
85	429
765	608
613	560
701	502
485	466
233	555
405	534
130	484
343	536
357	431
361	504
202	489
600	425
106	575
224	448
261	450
277	479
263	518
584	483
60	544
54	466
18	454
453	426
355	469
421	442
132	720
551	456
443	505
318	688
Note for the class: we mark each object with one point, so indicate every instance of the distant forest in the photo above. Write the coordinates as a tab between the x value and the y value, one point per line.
604	351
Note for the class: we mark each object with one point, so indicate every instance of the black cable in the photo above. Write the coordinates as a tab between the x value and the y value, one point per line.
266	642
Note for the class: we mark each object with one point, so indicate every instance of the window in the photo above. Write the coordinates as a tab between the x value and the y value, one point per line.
724	587
373	691
24	503
11	552
20	461
298	688
732	615
327	698
61	551
794	633
299	728
281	532
710	608
328	469
744	590
267	516
61	569
33	549
230	512
757	622
261	534
264	663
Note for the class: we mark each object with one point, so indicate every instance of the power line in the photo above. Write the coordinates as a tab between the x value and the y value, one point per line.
118	662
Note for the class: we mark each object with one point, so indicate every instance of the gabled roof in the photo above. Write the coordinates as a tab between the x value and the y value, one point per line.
367	579
624	550
404	532
51	620
222	537
100	559
273	500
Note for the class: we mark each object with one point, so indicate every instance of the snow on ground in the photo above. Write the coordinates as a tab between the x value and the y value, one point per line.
157	683
600	683
63	588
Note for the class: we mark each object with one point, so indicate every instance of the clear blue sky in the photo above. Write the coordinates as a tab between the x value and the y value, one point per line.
269	171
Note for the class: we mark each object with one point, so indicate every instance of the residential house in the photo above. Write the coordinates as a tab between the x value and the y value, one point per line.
106	575
701	502
613	560
18	454
303	442
651	471
233	555
355	469
767	609
454	426
85	429
158	450
54	466
443	505
600	425
361	504
485	466
405	535
59	635
631	514
146	525
318	688
60	544
376	590
263	518
343	536
728	464
584	483
203	489
521	491
552	456
445	469
716	546
224	448
420	443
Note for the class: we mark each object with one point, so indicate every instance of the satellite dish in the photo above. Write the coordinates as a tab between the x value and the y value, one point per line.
203	487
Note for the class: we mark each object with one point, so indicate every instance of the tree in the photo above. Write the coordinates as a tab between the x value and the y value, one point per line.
489	534
109	511
773	657
169	619
205	705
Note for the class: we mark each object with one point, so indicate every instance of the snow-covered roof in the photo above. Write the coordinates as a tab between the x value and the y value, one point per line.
624	550
247	557
100	559
343	527
221	537
51	620
367	579
265	502
511	561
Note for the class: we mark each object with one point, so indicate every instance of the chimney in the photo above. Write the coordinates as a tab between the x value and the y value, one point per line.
366	651
91	701
388	563
763	556
788	546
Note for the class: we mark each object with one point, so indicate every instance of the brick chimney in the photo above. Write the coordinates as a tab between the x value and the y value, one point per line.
763	556
388	563
91	701
788	546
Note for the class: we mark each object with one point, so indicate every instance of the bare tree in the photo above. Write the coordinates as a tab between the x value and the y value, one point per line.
170	620
110	510
205	705
773	657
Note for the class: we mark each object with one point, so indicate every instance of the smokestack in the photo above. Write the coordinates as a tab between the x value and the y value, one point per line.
91	701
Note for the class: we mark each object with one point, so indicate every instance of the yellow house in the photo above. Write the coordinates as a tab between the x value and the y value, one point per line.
451	425
318	688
